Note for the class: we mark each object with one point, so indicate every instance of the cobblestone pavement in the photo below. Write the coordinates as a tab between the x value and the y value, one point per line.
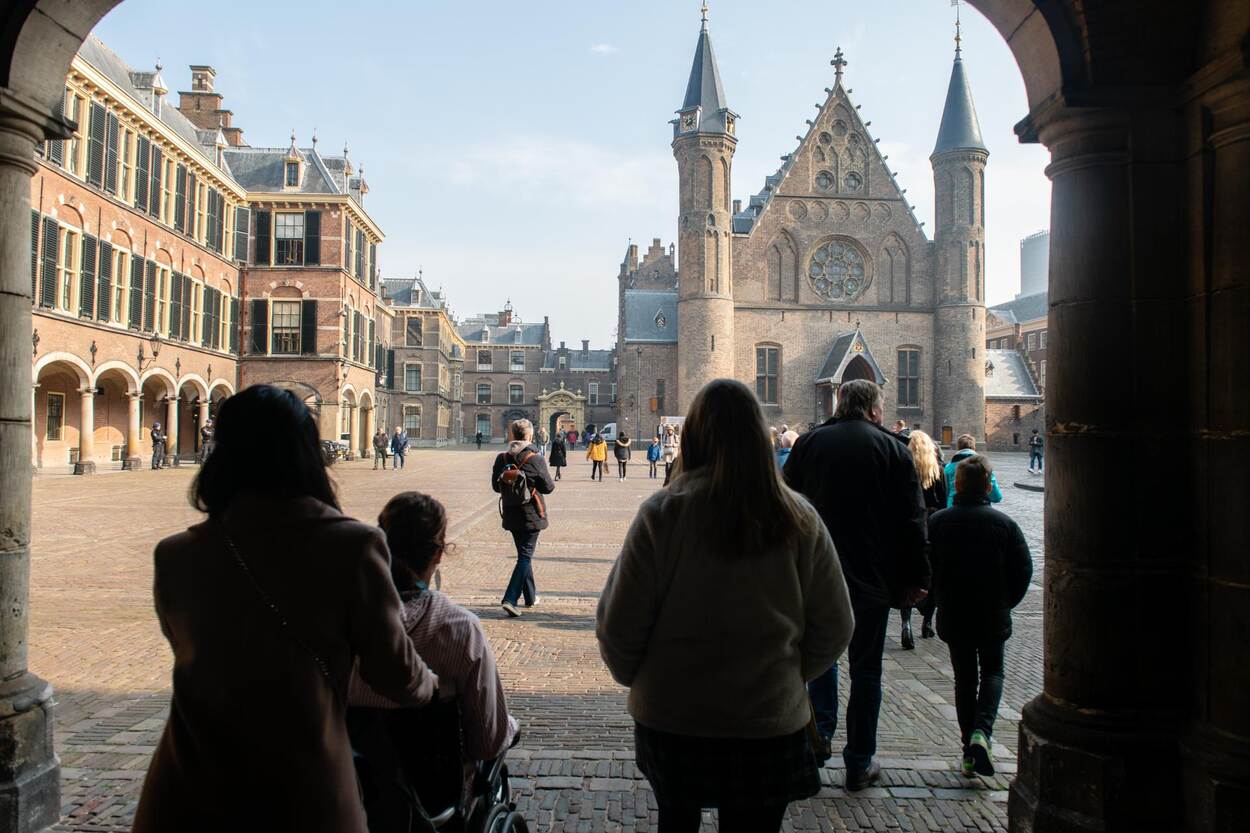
94	636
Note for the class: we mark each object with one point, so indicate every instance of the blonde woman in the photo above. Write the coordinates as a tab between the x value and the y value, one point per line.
928	461
726	599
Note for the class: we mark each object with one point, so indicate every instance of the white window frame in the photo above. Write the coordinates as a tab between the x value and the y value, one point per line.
68	263
420	377
513	365
490	393
273	328
592	393
520	400
413	429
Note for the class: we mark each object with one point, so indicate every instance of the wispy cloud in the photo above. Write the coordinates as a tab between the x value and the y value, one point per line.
604	49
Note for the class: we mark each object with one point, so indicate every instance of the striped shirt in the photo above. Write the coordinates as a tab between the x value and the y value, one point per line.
451	641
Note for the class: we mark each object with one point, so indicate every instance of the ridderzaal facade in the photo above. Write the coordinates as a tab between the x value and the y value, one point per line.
825	276
173	264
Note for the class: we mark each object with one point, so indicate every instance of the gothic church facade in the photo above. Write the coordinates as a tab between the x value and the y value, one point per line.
825	276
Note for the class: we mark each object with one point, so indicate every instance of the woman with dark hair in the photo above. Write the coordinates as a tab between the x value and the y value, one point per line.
268	605
726	598
559	453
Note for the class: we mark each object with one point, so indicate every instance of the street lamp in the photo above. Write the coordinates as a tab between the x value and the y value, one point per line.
638	425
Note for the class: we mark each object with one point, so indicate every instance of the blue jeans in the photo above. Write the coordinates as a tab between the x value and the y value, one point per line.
522	581
397	459
1035	460
867	645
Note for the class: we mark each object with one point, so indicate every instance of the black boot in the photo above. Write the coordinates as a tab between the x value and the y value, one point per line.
926	629
909	643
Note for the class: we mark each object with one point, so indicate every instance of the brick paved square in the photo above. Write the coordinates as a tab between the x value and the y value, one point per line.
95	637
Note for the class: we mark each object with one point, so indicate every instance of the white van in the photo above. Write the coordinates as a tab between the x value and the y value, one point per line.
608	432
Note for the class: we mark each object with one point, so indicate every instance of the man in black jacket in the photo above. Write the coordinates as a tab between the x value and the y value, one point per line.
861	479
523	520
981	570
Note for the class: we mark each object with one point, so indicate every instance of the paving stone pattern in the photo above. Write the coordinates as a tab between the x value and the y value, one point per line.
94	636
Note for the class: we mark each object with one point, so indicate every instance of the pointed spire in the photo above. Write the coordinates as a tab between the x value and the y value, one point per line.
704	91
960	129
838	63
704	11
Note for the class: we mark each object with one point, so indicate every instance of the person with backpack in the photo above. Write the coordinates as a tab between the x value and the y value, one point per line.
559	453
521	478
1035	453
653	456
597	454
622	452
981	570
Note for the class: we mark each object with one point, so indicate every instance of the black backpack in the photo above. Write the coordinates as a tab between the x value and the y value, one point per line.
514	486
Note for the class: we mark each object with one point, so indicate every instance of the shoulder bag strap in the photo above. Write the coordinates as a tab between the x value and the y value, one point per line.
277	611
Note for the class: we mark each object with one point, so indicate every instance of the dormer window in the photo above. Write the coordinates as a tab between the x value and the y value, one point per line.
292	174
516	336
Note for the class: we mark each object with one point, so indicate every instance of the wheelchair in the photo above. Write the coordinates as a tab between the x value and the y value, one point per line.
412	775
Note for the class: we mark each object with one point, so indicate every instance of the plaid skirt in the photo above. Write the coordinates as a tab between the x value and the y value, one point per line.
726	772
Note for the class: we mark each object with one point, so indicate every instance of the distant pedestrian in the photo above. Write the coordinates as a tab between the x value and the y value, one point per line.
399	447
521	478
653	456
784	447
861	479
572	437
1035	453
478	440
380	445
966	446
900	428
597	454
669	449
727	595
981	570
559	453
928	461
206	440
158	446
543	440
622	452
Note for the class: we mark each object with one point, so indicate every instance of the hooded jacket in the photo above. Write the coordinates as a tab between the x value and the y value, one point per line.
598	450
525	518
996	494
621	449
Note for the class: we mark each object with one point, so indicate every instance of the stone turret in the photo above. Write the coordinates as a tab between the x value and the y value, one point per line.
958	160
703	142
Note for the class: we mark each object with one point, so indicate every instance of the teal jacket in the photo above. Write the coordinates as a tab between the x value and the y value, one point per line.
996	494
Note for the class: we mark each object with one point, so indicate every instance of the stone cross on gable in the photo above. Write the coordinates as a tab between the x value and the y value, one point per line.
839	63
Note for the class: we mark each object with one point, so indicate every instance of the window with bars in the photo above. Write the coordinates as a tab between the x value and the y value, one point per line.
767	374
54	422
412	378
288	244
483	393
412	421
908	377
516	393
285	323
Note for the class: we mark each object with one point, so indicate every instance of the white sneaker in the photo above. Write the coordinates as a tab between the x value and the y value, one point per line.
510	609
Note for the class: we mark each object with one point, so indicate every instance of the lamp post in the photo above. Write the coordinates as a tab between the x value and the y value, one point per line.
638	425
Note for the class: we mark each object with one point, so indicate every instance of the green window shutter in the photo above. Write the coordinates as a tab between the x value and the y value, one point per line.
56	147
180	199
47	274
234	326
308	327
104	289
95	145
360	254
34	254
149	296
87	276
262	237
260	326
187	300
136	293
175	307
390	369
154	191
143	151
373	265
242	220
312	238
219	216
190	209
206	319
111	131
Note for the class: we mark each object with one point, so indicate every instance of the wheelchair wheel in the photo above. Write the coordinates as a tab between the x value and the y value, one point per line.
502	819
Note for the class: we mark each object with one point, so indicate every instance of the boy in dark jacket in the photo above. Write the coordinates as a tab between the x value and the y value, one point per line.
981	570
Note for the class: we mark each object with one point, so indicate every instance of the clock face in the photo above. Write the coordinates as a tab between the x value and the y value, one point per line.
688	122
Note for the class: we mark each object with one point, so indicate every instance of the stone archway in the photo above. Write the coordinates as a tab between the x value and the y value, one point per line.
553	404
1144	241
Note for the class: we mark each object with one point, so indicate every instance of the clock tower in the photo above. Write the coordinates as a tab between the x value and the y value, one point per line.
704	139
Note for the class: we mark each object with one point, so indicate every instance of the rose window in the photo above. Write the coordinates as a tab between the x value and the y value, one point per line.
837	271
854	181
824	180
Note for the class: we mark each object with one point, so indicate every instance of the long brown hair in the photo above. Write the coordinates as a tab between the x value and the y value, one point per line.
724	437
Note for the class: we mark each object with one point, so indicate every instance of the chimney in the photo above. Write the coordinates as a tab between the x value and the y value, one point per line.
562	347
505	316
737	206
202	78
585	346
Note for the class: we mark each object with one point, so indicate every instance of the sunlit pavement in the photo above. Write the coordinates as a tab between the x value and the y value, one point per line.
95	638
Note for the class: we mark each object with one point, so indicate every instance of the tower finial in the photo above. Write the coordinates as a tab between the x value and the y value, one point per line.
839	63
958	48
704	11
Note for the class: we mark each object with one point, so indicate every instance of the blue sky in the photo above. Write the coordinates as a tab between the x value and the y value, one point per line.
512	149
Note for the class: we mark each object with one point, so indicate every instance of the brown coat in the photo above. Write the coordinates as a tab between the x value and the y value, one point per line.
256	738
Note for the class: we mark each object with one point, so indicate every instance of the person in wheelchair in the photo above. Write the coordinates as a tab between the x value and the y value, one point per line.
444	762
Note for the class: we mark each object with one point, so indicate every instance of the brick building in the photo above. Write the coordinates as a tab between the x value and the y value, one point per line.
1021	325
504	357
584	372
424	365
824	269
1013	402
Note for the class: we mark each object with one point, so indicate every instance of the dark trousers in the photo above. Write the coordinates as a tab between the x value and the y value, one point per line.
557	468
620	467
1035	460
686	819
925	607
653	468
397	459
864	705
596	468
522	581
158	455
379	456
976	705
668	472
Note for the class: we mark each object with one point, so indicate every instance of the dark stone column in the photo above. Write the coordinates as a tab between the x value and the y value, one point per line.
1098	748
29	774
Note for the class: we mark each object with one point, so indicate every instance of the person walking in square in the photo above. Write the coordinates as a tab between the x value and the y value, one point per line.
206	440
158	446
981	570
965	447
861	479
928	461
1035	453
559	453
478	440
670	449
653	457
399	447
726	597
543	440
523	510
621	450
597	454
380	445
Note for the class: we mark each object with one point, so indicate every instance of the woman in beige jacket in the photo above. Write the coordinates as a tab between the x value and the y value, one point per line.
726	599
